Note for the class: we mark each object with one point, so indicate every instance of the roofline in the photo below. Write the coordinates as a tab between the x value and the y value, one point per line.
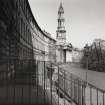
36	22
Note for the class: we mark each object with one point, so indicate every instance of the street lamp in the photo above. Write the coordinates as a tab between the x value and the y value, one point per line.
86	52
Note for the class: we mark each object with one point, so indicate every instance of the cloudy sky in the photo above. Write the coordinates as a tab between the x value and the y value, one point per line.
85	19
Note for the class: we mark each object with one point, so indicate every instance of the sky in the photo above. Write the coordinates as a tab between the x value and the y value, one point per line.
84	19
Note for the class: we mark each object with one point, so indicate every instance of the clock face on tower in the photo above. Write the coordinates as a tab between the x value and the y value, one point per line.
59	35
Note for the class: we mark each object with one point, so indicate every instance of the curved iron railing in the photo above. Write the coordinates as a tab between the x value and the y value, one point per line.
46	83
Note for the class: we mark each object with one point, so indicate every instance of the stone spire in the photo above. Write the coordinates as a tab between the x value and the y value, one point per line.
61	32
61	10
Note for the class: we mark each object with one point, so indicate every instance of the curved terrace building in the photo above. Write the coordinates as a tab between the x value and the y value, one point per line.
21	38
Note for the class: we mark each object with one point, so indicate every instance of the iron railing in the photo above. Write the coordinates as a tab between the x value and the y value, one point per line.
40	83
73	89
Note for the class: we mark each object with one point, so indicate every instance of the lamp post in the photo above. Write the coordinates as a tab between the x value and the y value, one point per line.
86	51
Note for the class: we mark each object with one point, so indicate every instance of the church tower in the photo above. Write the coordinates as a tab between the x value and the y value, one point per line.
61	32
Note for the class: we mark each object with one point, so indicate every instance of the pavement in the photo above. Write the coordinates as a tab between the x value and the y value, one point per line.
21	91
22	95
55	98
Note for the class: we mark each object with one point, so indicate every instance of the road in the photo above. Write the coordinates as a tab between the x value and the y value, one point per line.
95	78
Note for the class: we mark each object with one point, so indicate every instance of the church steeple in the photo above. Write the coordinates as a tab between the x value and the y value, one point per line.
61	32
61	10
